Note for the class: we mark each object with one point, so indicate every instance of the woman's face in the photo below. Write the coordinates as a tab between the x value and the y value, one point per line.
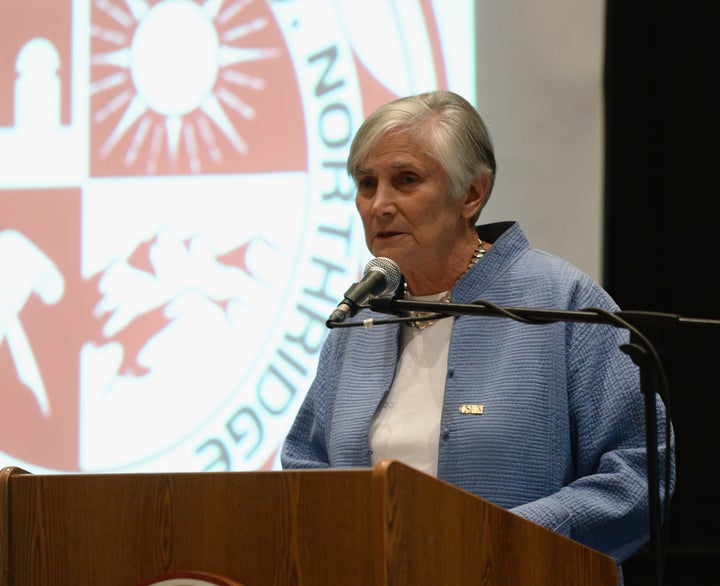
406	211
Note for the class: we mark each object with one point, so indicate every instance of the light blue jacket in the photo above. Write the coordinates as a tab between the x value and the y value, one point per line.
561	440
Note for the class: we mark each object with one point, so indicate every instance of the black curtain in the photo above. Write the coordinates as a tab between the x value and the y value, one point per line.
662	182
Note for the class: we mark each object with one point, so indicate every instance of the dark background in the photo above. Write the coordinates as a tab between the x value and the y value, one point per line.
661	232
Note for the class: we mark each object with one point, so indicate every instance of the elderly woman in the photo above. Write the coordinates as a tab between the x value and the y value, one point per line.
560	438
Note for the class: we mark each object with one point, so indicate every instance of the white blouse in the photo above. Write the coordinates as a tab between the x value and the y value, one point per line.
407	426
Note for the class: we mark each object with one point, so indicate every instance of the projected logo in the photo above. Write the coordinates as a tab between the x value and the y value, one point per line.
175	220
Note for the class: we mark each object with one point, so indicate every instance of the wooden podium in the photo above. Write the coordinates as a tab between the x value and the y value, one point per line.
386	526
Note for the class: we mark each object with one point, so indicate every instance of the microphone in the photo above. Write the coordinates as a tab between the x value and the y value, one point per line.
381	276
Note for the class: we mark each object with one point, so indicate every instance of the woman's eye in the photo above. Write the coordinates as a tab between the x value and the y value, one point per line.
408	179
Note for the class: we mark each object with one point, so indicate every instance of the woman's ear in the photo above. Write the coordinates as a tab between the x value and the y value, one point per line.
475	196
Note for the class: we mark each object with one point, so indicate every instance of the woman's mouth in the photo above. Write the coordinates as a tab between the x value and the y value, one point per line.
385	234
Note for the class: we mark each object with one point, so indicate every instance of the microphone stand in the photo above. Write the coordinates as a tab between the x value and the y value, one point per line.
640	350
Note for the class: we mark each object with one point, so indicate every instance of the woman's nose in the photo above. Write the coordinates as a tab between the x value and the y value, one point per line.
384	199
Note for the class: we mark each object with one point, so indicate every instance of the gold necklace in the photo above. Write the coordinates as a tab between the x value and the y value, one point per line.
426	323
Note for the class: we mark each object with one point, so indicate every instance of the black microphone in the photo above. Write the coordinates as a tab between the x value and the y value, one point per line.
381	276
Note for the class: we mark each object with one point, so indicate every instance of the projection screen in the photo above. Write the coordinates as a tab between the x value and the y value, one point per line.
175	220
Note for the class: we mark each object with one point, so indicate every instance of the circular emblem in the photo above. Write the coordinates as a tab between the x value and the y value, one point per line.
217	229
189	579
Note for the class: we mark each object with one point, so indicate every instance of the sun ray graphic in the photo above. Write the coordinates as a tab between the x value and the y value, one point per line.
175	84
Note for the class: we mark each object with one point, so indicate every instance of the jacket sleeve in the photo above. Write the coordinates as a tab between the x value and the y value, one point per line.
305	445
606	505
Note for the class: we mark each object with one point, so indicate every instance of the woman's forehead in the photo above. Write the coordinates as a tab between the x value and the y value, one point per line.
397	151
